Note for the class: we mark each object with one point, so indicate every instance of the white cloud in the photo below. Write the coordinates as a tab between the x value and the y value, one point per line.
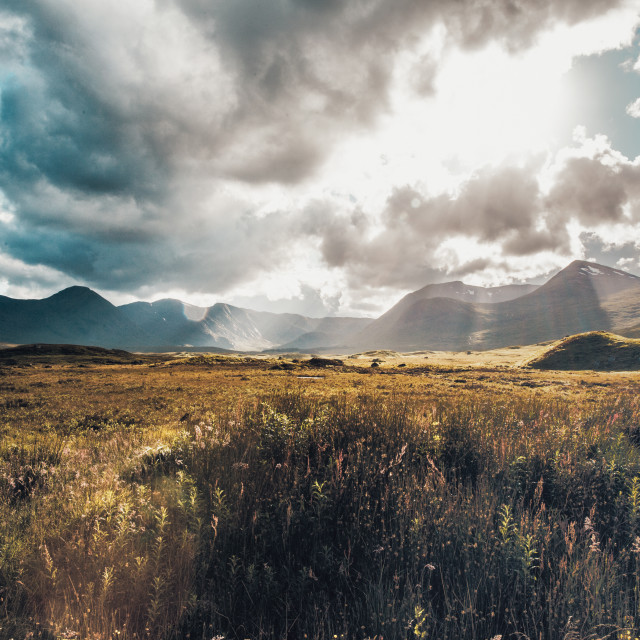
21	280
633	109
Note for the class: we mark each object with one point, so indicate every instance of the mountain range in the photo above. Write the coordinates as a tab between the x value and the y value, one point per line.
584	296
78	315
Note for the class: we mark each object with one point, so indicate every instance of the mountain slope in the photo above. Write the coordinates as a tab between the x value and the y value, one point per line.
78	315
570	302
74	315
444	315
169	322
432	323
172	322
175	323
582	297
458	290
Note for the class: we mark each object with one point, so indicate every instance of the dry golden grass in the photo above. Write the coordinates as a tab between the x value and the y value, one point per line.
263	497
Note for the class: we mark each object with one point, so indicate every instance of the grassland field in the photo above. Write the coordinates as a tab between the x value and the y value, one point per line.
435	495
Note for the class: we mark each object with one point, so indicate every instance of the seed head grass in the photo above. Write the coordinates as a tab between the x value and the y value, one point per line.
223	499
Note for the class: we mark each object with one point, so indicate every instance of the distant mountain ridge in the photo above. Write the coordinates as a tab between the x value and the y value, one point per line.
584	296
172	322
78	315
458	290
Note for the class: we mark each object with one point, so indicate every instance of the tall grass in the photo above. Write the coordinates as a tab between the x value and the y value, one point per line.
299	516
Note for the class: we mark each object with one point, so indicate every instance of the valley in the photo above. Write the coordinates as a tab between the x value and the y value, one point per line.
320	320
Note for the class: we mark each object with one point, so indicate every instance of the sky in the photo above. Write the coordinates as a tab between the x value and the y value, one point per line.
322	157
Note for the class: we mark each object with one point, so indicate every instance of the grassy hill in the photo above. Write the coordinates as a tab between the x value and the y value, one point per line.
67	353
597	350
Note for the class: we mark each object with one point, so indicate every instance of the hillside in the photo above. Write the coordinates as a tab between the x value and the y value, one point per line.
582	297
68	353
172	322
596	350
75	315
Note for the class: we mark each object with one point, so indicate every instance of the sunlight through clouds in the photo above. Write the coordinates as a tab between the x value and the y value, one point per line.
317	153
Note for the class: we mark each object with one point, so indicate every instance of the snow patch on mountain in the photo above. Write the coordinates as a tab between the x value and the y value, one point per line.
589	270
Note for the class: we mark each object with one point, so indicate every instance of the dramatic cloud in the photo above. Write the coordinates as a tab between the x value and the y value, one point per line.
502	205
503	213
200	146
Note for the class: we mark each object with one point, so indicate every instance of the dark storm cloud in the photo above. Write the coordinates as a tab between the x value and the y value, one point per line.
280	162
59	126
120	126
601	188
496	203
238	249
516	23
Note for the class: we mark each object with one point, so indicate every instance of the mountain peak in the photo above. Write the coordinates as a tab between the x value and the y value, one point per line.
77	293
594	269
76	290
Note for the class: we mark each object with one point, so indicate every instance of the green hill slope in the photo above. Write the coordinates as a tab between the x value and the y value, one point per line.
596	350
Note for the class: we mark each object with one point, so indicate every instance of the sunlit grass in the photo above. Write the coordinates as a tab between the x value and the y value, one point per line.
217	499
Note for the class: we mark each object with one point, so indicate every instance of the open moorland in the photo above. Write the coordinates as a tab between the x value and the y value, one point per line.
380	495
